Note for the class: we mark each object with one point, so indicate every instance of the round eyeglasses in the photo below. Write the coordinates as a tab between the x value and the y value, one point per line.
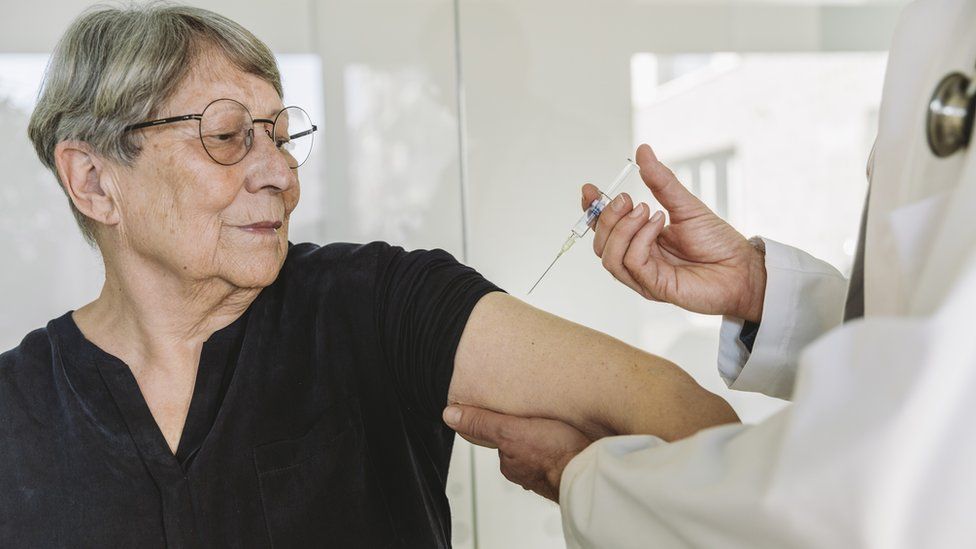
227	131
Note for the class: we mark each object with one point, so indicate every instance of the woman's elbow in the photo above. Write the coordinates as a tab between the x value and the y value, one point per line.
709	410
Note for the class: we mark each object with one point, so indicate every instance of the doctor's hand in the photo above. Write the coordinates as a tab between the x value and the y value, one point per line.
697	261
533	452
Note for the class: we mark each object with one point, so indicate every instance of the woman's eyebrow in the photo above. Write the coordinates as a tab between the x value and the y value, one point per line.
269	116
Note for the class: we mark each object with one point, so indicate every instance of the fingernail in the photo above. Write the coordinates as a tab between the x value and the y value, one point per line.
452	416
657	216
618	203
638	211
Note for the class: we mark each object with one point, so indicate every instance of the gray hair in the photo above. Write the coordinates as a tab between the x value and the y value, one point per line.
116	66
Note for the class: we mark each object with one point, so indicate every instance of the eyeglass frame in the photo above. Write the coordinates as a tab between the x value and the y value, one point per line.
199	118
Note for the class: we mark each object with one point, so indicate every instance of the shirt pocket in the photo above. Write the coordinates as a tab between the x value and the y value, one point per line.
913	227
319	490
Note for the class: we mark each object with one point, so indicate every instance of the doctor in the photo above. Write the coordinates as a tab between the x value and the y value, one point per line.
878	448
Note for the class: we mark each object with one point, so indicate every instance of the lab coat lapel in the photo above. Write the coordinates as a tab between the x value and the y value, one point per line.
955	236
953	243
910	186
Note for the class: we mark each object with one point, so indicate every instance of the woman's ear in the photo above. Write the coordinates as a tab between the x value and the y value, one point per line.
86	181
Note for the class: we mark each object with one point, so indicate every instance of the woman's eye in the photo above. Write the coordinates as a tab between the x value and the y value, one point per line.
223	136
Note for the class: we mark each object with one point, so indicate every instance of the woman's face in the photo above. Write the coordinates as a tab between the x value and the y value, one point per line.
196	218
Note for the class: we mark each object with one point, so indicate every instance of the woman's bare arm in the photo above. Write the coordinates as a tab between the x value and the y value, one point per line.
518	360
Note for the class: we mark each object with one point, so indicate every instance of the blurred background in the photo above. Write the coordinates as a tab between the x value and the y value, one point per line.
470	125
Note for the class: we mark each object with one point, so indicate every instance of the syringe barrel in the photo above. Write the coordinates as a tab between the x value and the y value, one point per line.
591	215
621	177
596	207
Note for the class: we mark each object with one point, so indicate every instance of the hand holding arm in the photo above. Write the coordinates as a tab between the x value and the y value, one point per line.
532	452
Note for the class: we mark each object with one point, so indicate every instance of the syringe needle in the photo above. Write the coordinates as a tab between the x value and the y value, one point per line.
565	248
589	216
546	272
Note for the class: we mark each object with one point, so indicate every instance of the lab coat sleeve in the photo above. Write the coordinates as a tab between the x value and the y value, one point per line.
804	299
875	451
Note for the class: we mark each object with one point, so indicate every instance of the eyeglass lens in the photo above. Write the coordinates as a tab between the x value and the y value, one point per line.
227	132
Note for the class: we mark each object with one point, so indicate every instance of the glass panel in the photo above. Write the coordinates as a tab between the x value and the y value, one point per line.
392	168
745	101
377	77
48	266
301	78
557	94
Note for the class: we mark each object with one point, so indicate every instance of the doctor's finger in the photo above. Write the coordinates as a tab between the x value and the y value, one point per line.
478	442
666	188
637	260
481	426
617	209
619	242
590	193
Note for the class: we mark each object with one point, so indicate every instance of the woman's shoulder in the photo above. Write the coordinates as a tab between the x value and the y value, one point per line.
349	270
336	254
347	261
312	272
340	262
26	370
33	350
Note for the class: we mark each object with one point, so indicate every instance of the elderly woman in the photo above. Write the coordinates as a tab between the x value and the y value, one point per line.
229	389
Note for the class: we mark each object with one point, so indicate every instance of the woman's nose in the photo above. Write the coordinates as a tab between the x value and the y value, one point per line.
267	167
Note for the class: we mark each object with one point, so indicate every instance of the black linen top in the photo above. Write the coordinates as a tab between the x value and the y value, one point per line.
314	422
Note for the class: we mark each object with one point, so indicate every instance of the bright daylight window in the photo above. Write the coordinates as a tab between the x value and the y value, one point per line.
776	143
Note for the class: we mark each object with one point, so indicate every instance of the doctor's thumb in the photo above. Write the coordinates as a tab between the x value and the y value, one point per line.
665	187
477	425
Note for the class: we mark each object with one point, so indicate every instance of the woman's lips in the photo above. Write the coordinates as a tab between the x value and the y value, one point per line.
262	227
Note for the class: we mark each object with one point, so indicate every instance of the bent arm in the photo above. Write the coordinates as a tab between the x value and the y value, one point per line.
519	360
849	461
804	299
874	451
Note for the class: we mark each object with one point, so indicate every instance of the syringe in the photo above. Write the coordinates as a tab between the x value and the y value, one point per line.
590	217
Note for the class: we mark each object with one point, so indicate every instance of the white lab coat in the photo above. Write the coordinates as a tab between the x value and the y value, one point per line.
878	448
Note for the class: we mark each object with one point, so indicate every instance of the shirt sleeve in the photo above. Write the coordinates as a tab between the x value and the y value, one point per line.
804	299
873	452
422	304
